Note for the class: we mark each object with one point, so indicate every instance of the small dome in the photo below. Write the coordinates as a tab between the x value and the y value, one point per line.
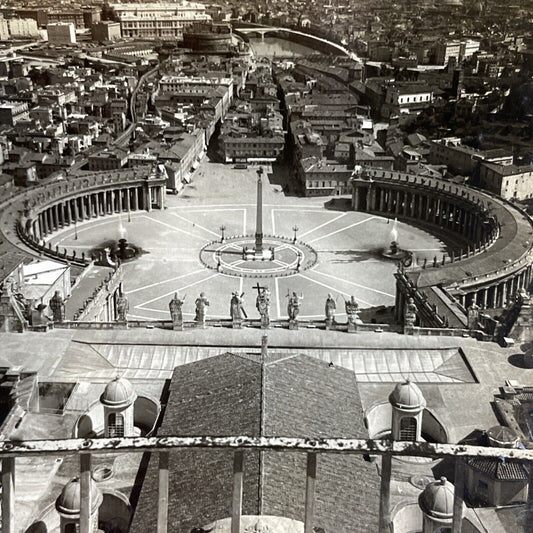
436	500
502	437
68	502
118	393
407	396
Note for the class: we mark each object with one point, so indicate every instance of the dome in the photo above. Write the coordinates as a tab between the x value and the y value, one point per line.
68	502
436	500
118	393
407	396
502	437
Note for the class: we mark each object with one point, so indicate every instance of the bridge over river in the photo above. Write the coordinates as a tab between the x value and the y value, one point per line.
249	29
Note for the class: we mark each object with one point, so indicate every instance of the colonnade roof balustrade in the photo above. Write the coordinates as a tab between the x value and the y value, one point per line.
511	252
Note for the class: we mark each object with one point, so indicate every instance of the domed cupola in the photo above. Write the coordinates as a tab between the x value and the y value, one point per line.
118	394
118	400
436	502
407	397
68	505
502	437
408	405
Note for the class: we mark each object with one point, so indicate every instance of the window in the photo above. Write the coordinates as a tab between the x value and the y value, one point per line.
408	429
116	425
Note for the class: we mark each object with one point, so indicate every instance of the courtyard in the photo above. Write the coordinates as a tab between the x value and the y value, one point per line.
345	247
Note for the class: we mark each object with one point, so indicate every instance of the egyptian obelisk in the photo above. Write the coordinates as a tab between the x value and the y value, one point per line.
259	215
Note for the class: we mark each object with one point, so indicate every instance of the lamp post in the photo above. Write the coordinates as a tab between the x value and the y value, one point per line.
295	229
222	229
75	230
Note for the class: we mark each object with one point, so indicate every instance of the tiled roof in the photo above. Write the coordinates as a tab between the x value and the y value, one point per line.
292	396
499	469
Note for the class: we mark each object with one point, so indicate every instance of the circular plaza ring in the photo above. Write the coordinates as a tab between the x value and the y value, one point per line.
237	256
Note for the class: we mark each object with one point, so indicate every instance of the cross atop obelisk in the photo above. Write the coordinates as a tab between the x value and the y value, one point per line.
259	214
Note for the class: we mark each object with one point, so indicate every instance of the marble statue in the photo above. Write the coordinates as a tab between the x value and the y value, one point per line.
201	304
175	306
330	308
123	306
236	310
351	307
57	306
262	304
293	306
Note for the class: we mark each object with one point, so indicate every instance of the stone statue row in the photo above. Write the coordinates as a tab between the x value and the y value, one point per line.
262	304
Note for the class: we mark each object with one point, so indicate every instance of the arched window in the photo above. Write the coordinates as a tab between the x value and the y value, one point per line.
71	528
408	428
116	425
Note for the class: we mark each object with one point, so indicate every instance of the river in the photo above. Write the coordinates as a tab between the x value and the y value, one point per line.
273	46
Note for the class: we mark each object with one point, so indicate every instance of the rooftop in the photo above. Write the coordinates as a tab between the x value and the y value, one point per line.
287	396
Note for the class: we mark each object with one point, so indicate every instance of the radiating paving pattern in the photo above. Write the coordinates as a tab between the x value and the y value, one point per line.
342	257
369	365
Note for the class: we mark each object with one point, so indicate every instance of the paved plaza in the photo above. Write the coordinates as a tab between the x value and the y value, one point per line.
347	245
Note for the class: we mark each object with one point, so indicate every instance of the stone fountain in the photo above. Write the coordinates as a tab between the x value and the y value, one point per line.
113	252
394	251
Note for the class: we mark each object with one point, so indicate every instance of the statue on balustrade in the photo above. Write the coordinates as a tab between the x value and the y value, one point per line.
123	306
351	308
175	306
262	304
57	306
201	308
293	306
330	309
473	314
236	309
410	313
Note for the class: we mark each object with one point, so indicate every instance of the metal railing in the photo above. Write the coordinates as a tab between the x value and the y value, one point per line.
85	448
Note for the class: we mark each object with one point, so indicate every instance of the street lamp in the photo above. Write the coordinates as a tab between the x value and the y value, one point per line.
222	229
295	229
75	230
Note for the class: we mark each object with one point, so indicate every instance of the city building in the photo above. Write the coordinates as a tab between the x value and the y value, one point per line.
405	97
267	148
198	89
109	159
13	112
105	31
164	20
20	28
61	33
460	50
320	177
80	17
462	159
508	181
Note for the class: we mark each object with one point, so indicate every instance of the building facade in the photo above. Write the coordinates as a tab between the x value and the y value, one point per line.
253	148
509	181
61	33
105	31
162	20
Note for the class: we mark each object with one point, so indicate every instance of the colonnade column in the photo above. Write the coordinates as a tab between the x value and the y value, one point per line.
355	198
